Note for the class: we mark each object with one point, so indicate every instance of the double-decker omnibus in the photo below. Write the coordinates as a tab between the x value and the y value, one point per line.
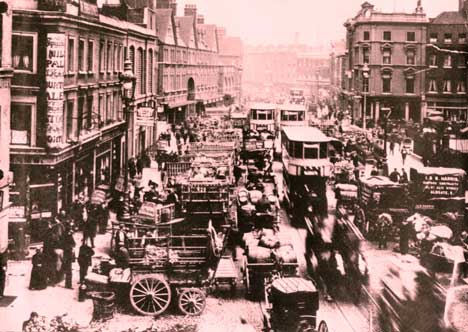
292	115
262	117
306	167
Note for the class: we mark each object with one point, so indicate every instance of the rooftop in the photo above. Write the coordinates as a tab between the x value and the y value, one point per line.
306	134
452	17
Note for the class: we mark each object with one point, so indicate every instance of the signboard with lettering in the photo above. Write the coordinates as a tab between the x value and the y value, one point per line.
89	9
145	116
433	183
55	69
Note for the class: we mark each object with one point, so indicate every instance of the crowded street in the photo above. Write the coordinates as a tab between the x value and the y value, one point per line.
160	172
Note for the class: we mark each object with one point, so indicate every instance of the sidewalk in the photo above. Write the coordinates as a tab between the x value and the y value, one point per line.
395	160
50	302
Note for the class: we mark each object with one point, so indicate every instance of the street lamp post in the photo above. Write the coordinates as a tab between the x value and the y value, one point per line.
127	80
386	114
365	89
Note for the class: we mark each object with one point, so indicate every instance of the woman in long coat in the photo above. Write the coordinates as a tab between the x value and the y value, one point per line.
38	272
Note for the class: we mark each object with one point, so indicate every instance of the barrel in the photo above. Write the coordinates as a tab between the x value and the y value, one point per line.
103	305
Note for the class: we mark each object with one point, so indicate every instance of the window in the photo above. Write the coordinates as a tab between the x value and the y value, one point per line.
297	149
410	85
432	60
150	71
102	56
386	82
462	38
81	55
387	56
311	151
411	36
366	35
119	61
20	123
81	116
410	57
140	72
90	56
109	108
365	55
87	118
447	38
387	35
447	61
447	86
365	84
115	60
71	55
433	37
23	52
461	87
69	119
109	57
102	110
432	86
461	61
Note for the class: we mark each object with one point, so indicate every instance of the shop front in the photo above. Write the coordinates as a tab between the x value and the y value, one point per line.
84	182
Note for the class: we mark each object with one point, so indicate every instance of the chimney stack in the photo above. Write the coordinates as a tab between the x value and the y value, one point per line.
173	6
190	10
200	19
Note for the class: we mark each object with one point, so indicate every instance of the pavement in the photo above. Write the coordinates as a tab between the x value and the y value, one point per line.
52	301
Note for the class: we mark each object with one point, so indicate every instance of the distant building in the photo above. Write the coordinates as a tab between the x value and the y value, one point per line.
446	58
392	46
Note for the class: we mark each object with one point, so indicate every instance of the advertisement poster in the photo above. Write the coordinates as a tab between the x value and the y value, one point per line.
55	68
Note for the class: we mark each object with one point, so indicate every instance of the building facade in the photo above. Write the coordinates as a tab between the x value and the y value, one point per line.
6	16
386	56
446	60
67	116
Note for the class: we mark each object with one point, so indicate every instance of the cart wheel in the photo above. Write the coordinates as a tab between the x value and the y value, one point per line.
150	295
192	301
305	325
323	327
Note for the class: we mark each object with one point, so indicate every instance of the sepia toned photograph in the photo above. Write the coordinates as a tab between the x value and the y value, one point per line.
233	166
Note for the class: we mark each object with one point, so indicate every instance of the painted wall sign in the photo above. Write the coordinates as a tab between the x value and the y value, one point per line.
145	116
55	69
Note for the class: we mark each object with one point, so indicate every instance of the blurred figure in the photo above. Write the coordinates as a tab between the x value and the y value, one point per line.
32	324
404	176
394	176
68	256
84	260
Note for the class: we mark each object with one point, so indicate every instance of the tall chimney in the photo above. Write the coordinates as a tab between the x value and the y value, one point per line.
190	10
200	19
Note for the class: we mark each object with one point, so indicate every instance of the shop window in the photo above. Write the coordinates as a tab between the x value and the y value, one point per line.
432	60
81	55
297	149
447	86
89	113
311	151
447	61
23	52
90	59
366	35
20	123
462	38
365	84
410	57
433	37
410	85
387	35
387	56
411	36
447	38
461	61
461	87
81	115
432	86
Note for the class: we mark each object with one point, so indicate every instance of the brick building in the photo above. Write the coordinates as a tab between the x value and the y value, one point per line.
446	59
67	121
392	45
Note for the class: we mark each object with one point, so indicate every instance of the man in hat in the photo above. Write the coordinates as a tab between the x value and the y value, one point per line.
38	273
395	176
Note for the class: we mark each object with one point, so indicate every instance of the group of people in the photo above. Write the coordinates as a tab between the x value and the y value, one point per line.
398	177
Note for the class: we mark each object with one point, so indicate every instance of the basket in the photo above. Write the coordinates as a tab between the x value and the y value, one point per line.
103	305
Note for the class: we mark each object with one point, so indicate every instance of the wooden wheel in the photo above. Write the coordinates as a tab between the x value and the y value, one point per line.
323	327
192	301
150	295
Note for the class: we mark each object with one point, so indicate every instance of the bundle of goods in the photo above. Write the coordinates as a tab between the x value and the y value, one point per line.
268	246
346	191
344	171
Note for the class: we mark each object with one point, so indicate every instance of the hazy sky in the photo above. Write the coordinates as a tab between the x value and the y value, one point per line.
277	21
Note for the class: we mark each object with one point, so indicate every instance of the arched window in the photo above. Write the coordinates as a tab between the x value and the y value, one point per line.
131	56
140	72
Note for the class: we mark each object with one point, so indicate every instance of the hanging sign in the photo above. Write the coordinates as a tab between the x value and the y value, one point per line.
55	70
145	116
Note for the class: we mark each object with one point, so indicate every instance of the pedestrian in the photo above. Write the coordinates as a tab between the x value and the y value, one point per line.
383	228
404	153
132	167
38	273
33	324
3	272
120	238
90	225
392	147
139	166
405	229
237	173
395	176
68	257
404	176
374	171
85	255
103	217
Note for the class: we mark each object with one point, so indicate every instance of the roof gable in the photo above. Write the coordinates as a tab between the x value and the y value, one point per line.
452	17
164	26
186	32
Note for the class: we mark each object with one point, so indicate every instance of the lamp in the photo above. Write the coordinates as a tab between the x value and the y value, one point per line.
127	81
